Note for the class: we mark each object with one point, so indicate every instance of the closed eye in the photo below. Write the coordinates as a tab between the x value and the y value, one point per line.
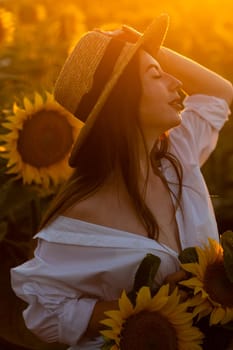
156	70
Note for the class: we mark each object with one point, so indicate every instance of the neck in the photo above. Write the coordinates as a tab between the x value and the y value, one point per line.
145	146
147	143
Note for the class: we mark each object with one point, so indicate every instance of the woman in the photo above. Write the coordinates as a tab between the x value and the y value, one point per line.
136	187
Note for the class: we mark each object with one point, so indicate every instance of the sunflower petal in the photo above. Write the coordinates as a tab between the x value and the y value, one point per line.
228	315
50	97
109	334
15	109
111	323
38	100
217	315
115	347
115	315
158	303
125	306
7	125
27	104
143	299
191	267
192	282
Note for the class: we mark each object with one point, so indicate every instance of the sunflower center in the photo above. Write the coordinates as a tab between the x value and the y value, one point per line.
45	138
148	331
218	285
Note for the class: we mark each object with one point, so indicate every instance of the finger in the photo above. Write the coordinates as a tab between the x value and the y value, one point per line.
115	32
176	277
184	295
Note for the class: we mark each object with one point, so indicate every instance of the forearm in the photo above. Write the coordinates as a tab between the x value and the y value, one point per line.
196	78
94	326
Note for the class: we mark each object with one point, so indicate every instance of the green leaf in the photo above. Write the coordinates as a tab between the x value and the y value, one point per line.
228	326
227	244
146	272
188	255
145	275
108	343
13	195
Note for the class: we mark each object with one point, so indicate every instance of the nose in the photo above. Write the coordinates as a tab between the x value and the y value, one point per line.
174	83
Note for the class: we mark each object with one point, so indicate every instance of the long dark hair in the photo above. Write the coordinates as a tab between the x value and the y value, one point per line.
112	144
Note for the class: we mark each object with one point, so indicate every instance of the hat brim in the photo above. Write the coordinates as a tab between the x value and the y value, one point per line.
150	41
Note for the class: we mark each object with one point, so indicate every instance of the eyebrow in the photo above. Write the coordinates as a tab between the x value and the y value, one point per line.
152	65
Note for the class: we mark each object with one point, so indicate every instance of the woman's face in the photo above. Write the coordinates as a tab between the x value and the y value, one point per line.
160	103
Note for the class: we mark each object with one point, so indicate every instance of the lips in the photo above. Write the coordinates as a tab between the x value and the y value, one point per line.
177	104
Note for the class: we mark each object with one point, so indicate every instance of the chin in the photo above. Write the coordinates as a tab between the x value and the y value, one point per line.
174	123
177	119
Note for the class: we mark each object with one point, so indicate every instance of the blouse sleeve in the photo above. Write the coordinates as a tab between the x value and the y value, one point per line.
197	136
76	264
57	311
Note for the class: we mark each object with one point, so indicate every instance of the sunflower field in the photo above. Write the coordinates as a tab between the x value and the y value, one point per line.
35	38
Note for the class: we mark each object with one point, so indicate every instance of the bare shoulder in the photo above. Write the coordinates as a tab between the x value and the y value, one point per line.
107	208
88	209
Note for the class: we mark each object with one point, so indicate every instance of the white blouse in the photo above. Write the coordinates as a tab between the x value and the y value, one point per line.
77	263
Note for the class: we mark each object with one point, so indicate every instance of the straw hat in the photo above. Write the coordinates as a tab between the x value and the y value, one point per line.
94	66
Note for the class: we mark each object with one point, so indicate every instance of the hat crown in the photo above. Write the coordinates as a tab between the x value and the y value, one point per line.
76	76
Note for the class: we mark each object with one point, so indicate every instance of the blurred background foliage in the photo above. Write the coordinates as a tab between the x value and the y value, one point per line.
35	38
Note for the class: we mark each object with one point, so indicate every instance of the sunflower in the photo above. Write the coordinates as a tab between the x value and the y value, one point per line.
2	149
30	13
213	291
39	141
7	26
71	24
158	322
